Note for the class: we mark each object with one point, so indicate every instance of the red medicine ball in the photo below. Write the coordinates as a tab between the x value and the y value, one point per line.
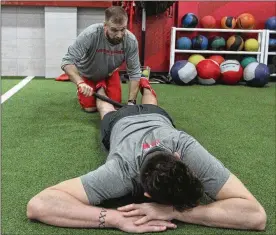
208	72
218	58
208	22
231	72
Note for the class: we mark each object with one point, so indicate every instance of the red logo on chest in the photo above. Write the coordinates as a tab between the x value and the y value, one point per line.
110	52
150	145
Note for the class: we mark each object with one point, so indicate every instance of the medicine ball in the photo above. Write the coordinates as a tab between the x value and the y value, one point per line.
251	44
235	43
271	23
231	72
228	22
246	21
247	60
200	42
189	20
195	59
184	43
256	74
272	44
208	22
183	72
208	72
218	58
217	43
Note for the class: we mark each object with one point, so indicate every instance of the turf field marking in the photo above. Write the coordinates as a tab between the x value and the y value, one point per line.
16	88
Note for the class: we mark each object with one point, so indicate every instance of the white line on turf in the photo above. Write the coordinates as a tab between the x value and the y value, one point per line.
16	88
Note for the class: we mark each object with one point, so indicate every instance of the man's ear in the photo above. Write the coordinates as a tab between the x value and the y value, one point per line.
176	154
147	195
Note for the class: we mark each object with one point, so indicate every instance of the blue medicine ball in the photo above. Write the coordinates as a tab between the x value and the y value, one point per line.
183	43
272	43
189	20
183	72
256	74
200	42
271	23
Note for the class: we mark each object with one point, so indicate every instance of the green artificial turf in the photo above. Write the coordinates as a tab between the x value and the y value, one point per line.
8	82
46	139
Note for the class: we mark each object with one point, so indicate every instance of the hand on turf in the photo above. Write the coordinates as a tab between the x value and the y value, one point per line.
85	89
126	224
148	212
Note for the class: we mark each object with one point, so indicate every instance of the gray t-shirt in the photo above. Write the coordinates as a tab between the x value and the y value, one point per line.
96	58
131	139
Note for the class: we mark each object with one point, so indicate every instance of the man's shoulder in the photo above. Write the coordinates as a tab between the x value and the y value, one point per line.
130	35
93	29
130	38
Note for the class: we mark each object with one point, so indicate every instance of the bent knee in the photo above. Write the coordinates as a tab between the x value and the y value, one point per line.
90	110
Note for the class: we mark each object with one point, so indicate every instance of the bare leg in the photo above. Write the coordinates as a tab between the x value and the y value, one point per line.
102	106
148	97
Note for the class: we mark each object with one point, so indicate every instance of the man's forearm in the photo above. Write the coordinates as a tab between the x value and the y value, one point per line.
133	89
73	73
58	208
230	213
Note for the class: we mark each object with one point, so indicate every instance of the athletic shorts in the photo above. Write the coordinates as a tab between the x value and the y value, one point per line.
111	118
113	91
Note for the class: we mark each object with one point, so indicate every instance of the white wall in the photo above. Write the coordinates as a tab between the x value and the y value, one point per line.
60	32
34	39
88	16
22	41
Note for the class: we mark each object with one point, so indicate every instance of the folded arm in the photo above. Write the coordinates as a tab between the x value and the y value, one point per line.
235	208
66	205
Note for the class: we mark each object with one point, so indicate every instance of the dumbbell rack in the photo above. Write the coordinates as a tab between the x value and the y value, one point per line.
260	53
267	52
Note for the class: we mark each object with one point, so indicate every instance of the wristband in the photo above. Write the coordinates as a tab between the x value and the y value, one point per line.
80	83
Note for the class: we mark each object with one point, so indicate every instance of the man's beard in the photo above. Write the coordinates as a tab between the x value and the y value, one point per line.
113	41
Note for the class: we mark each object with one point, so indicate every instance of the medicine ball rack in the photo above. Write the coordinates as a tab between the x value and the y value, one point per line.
267	52
261	39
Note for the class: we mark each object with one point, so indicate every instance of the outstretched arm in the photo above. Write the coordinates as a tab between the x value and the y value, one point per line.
133	69
235	208
74	54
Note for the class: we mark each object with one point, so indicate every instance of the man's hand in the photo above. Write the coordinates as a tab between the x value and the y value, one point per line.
126	224
148	212
85	89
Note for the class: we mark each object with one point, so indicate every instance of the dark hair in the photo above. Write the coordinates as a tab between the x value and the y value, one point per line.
116	13
169	181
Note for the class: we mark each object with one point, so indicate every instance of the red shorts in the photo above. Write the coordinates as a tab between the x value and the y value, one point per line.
113	90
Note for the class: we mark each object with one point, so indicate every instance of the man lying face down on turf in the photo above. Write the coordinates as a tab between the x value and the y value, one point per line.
147	154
